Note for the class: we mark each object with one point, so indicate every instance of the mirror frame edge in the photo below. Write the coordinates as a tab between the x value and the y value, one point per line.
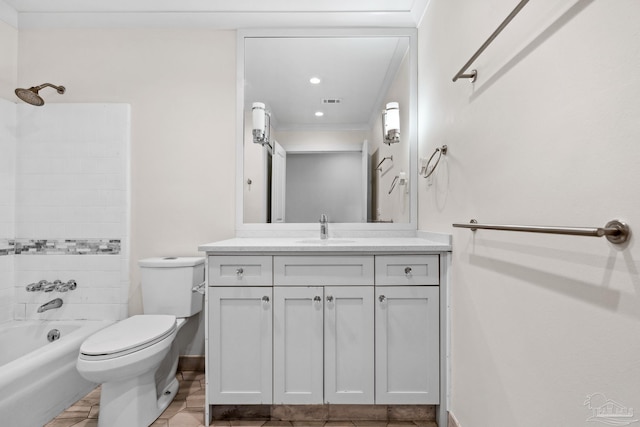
269	229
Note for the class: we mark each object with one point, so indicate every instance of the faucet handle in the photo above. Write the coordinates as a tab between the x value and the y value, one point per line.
64	287
34	287
48	286
323	218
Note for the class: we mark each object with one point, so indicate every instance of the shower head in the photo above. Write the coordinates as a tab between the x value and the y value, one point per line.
31	96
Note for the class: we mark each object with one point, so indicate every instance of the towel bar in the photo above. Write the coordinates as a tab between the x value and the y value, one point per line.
474	73
615	231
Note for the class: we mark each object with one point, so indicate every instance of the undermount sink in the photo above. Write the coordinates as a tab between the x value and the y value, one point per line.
325	241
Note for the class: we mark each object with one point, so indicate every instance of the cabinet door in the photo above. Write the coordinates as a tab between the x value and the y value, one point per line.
240	329
407	345
349	345
297	345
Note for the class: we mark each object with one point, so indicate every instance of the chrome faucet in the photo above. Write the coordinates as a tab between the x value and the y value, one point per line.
324	227
54	303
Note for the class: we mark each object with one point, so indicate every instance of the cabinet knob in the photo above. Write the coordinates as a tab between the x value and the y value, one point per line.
317	298
265	298
407	271
330	298
381	298
240	272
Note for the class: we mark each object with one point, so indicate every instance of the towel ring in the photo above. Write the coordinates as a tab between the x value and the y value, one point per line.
442	150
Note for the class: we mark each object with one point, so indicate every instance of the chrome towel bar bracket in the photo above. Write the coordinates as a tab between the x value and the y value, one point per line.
474	73
615	231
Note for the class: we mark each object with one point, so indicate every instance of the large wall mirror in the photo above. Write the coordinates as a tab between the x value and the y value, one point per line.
323	151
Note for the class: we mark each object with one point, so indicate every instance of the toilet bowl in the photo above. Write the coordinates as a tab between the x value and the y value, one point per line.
136	359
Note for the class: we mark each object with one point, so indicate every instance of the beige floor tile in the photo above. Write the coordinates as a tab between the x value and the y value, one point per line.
242	423
95	411
370	423
186	419
75	414
426	423
339	424
308	423
87	423
196	399
173	408
63	422
278	424
192	375
93	396
190	386
160	423
401	424
220	423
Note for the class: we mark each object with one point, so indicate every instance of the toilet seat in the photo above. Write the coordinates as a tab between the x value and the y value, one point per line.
128	336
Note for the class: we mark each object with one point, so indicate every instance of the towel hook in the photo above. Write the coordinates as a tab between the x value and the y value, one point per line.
442	150
379	168
393	183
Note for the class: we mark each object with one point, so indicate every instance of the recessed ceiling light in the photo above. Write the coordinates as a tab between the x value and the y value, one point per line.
315	80
319	114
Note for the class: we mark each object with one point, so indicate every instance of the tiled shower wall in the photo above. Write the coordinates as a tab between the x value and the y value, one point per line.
71	209
7	205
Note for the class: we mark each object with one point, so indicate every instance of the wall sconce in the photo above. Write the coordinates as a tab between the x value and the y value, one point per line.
261	124
391	123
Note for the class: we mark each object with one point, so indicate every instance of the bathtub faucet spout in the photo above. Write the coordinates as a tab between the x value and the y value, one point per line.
54	303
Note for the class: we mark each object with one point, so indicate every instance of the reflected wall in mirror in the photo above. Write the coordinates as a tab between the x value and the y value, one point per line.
325	94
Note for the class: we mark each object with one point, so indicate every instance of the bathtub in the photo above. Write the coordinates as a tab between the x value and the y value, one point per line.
38	378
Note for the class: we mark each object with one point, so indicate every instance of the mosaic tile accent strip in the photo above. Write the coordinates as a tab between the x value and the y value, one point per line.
62	247
7	247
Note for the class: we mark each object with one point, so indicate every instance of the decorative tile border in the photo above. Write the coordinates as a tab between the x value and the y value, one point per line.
60	247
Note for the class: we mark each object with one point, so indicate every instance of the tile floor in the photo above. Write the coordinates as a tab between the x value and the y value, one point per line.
187	410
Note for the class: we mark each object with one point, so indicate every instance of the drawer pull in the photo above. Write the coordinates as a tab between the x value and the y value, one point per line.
330	298
317	298
240	272
381	298
265	298
407	271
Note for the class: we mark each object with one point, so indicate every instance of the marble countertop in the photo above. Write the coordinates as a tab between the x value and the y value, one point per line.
427	242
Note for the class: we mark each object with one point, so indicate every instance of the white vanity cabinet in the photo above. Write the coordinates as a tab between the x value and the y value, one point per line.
239	366
407	347
323	345
338	327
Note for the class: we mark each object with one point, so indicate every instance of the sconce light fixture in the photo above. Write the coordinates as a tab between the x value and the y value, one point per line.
391	123
261	124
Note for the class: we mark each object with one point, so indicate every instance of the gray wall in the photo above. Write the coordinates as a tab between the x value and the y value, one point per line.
329	183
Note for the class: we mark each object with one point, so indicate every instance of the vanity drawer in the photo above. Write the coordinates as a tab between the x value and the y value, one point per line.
323	270
240	271
408	270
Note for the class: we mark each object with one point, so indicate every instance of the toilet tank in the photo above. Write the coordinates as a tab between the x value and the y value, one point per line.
167	285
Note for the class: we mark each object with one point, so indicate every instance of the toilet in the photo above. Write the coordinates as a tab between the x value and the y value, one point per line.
136	359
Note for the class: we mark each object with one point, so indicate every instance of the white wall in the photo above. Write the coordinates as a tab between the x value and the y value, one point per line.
72	190
181	88
7	206
394	206
547	135
8	58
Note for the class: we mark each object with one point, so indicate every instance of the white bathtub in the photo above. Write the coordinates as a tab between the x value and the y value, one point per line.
38	378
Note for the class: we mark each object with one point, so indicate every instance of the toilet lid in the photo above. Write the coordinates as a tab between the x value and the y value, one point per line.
129	335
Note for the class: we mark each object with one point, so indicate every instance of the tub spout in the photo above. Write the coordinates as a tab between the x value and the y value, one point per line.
54	303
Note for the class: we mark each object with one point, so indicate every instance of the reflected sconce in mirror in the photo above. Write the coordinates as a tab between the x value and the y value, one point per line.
261	124
391	123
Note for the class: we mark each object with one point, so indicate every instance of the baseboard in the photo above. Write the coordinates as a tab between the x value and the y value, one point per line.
324	412
452	421
191	363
